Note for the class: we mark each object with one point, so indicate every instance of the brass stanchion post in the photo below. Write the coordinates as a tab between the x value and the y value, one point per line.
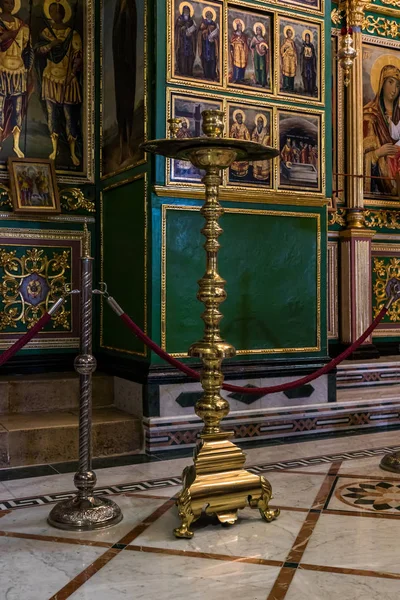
217	480
85	511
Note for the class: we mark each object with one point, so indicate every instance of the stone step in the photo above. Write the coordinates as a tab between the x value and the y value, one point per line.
39	438
51	392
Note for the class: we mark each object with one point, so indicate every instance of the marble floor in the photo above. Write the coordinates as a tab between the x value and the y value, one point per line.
337	537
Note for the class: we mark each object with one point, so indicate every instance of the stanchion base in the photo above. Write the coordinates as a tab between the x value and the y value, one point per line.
218	482
78	514
391	462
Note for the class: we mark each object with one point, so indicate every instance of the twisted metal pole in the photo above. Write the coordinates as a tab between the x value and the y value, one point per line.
85	511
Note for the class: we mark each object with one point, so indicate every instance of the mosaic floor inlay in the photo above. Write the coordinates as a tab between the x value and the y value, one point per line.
336	538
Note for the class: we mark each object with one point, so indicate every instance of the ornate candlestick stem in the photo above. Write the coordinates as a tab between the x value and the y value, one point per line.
217	479
85	511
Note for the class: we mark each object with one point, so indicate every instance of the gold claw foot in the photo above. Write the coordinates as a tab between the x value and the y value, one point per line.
186	515
268	514
183	531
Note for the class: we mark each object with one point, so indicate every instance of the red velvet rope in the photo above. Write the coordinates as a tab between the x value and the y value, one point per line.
256	390
22	341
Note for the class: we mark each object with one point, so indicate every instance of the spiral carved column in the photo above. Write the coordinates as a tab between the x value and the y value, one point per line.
85	511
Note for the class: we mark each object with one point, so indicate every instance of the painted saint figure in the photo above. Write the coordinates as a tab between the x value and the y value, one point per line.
239	51
185	41
15	63
239	131
184	166
308	65
260	51
289	60
208	40
379	147
286	152
260	135
59	52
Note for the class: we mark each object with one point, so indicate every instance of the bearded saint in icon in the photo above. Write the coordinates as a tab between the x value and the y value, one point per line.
239	131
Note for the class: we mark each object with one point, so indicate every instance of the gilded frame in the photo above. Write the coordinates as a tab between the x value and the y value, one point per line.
316	216
303	99
170	51
88	113
338	121
16	192
369	200
145	312
237	88
317	10
264	107
145	84
172	95
386	250
321	190
58	235
333	298
236	191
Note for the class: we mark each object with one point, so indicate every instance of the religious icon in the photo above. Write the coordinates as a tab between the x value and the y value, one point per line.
124	98
252	123
381	120
249	44
307	4
299	69
59	63
299	145
15	63
44	84
33	185
196	41
188	109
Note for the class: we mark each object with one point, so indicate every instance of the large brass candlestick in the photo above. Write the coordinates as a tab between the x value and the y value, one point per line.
217	481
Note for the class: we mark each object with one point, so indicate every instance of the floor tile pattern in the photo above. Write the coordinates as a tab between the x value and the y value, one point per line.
336	538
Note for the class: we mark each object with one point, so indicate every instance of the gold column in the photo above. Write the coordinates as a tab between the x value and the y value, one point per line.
356	294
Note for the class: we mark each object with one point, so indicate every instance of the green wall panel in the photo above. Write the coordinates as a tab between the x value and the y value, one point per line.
270	261
123	252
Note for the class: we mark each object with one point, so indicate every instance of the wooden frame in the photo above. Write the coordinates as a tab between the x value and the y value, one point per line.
28	189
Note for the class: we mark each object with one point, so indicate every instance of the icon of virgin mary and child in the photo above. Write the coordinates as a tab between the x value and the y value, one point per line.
381	129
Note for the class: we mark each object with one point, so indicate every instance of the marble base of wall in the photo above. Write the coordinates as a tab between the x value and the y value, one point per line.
254	425
381	372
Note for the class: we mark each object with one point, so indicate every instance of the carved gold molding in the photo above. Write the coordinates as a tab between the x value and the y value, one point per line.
381	26
337	217
74	199
379	219
386	269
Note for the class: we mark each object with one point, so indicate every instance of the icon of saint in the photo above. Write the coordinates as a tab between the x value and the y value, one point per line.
260	52
15	63
239	51
289	60
185	40
308	65
208	44
239	131
260	135
59	63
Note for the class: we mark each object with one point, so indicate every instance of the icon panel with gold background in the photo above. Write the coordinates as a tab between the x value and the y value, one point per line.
299	136
195	35
381	121
298	59
249	49
251	122
188	109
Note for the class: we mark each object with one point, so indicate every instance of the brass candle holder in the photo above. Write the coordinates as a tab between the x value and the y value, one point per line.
217	481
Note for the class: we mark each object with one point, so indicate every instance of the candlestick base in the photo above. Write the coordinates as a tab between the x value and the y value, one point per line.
85	514
219	483
391	462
